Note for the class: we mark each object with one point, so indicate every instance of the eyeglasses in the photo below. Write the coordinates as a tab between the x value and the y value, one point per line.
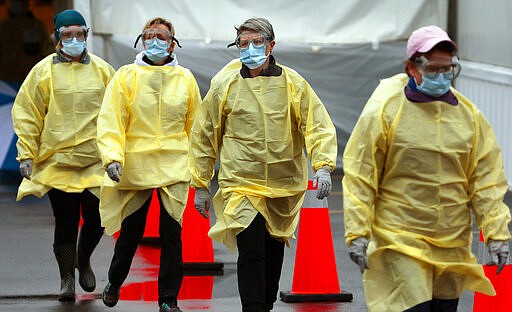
67	33
434	67
257	39
159	33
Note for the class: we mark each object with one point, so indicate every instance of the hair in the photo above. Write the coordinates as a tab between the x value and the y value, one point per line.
257	24
159	20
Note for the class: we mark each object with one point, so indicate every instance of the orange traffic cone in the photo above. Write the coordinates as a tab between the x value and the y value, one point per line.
197	246
315	277
151	232
196	287
503	299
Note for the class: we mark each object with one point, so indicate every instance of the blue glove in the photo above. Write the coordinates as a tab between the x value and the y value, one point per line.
499	251
202	201
322	179
114	171
26	168
357	252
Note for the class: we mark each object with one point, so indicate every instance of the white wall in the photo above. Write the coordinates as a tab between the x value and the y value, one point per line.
484	31
490	88
484	39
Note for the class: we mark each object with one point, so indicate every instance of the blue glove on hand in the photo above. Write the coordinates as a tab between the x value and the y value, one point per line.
322	179
499	251
202	201
26	168
357	252
114	171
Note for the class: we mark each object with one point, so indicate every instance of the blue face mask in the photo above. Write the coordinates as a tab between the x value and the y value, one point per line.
253	57
435	85
156	49
73	47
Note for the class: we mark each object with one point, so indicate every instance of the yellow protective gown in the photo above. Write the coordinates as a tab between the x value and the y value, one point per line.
413	174
145	124
54	116
260	127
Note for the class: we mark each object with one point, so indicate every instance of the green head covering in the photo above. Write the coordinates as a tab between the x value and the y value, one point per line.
66	18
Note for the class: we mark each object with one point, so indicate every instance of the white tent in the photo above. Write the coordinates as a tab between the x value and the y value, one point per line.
342	48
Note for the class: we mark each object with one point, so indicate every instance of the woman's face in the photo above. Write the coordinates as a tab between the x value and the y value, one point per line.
437	58
159	31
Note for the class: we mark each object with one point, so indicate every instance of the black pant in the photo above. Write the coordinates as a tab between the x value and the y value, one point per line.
436	305
260	259
66	210
170	275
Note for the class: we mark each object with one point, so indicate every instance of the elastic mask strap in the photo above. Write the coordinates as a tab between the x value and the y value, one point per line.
176	40
136	41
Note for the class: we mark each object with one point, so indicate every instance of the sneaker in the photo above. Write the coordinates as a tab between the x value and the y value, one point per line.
169	308
110	295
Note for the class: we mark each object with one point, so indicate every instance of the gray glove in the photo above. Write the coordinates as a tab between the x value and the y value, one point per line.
357	252
202	201
322	179
26	168
114	171
499	251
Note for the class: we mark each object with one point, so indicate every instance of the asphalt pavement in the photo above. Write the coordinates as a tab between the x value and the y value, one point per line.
29	277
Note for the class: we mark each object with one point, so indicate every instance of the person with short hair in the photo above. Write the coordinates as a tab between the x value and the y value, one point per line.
54	116
257	118
143	136
421	159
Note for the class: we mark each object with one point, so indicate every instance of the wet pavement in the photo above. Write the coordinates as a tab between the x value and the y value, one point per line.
29	278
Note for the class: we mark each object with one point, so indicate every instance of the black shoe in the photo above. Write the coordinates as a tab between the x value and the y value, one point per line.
169	308
110	295
86	277
67	288
65	255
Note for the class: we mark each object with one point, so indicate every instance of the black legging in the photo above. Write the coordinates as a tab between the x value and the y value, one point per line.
260	259
170	275
66	210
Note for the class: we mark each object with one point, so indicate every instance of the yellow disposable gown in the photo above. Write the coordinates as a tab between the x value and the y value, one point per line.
54	116
413	174
260	127
145	124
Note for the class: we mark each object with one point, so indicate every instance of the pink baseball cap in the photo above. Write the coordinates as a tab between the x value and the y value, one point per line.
425	38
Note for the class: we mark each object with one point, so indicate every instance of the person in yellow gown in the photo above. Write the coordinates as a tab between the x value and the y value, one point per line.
54	116
258	117
419	161
143	136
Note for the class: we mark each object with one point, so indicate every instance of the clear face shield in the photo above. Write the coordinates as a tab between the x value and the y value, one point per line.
67	33
243	41
449	67
161	34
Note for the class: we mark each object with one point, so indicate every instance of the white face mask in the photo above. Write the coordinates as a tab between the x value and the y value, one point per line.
73	47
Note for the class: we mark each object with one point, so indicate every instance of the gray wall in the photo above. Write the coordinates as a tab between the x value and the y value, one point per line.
483	30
